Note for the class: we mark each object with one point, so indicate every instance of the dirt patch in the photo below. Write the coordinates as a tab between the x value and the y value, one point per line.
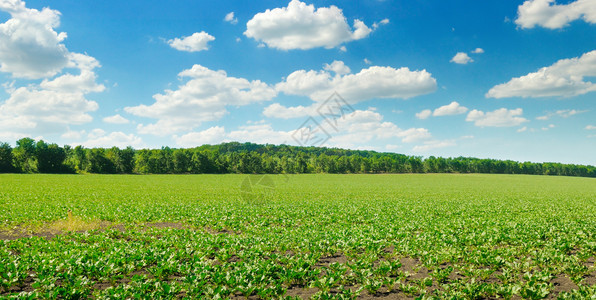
327	260
167	225
409	264
26	286
589	263
590	279
562	283
51	230
384	295
304	293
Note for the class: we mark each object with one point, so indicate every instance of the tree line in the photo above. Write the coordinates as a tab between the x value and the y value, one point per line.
30	156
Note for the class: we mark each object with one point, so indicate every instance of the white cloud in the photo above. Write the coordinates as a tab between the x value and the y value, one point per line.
478	51
230	18
260	134
461	58
433	144
450	109
213	135
590	127
337	67
373	82
424	114
343	49
276	110
255	133
194	43
52	105
564	113
29	46
301	26
370	83
202	98
414	135
99	139
116	119
549	127
73	135
548	14
523	129
355	130
498	118
367	125
84	83
382	22
368	62
565	78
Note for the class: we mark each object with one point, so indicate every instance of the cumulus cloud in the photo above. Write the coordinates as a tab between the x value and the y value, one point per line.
279	111
52	105
450	109
499	118
202	98
31	49
198	41
478	51
565	78
29	46
337	67
461	58
230	18
213	135
370	83
424	114
116	119
355	130
99	139
590	127
301	26
364	127
255	133
548	14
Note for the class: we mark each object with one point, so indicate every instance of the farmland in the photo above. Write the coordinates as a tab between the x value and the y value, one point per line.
297	236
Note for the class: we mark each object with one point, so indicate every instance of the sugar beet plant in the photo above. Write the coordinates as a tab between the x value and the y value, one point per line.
312	236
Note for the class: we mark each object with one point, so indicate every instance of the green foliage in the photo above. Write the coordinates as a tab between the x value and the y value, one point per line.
251	158
5	158
441	236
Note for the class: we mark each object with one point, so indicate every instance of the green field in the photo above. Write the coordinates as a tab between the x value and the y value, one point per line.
321	236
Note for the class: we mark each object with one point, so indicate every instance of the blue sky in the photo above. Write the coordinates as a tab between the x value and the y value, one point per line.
497	79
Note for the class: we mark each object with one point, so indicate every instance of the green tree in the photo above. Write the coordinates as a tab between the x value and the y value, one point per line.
5	158
50	158
24	156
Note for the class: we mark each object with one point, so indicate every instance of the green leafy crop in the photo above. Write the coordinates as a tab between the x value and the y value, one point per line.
304	236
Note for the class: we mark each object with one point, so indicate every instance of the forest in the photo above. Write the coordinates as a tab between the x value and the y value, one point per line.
30	156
